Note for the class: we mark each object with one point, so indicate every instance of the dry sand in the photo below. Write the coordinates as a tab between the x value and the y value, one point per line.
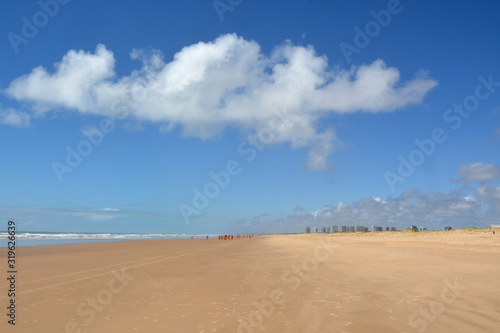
364	282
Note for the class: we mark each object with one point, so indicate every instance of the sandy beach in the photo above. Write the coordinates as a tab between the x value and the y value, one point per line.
357	282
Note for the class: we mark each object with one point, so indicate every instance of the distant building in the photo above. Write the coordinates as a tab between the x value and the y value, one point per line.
495	226
387	229
393	228
327	230
343	228
308	230
412	227
360	228
351	228
448	228
422	229
335	228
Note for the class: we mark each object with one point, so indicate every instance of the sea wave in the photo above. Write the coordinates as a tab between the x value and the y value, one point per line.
99	236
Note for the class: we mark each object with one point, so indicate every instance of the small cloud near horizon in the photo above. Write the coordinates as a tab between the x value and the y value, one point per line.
477	172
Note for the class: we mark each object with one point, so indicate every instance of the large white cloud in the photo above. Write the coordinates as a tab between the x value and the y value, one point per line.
208	87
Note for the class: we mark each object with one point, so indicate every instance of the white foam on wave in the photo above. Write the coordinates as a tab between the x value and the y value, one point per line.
98	236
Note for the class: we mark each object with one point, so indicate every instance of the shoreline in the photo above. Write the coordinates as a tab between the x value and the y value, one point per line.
475	234
98	238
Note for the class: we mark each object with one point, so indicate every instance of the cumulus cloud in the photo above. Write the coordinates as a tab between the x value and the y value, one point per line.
478	172
73	85
489	195
431	210
12	117
228	82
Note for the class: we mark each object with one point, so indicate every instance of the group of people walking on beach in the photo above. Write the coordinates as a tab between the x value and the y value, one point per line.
230	237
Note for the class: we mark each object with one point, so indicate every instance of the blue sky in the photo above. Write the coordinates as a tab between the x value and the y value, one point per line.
115	116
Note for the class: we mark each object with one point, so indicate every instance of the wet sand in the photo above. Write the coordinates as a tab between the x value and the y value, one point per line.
363	282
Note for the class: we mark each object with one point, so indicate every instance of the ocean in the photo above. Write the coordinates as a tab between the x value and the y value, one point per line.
55	238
